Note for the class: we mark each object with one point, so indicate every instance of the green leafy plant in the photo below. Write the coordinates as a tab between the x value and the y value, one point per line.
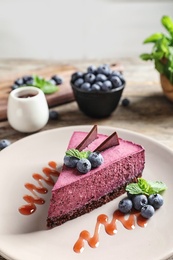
162	51
146	187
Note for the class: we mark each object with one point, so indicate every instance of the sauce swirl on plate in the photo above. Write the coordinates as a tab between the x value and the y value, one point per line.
33	199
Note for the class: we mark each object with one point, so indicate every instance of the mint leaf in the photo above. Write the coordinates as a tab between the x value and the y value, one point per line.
161	52
146	187
157	186
146	56
153	38
133	188
46	86
168	24
158	55
159	66
85	154
49	88
76	153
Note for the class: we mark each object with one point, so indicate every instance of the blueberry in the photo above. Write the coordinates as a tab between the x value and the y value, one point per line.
116	81
19	82
53	115
76	76
125	205
115	73
57	79
4	143
52	81
130	196
101	77
99	83
156	200
95	87
83	165
86	86
125	102
70	161
92	69
139	201
30	82
14	87
104	69
122	78
96	159
89	77
27	79
78	82
107	85
147	211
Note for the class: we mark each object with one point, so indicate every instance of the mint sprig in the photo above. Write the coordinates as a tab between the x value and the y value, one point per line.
76	153
162	49
46	86
146	187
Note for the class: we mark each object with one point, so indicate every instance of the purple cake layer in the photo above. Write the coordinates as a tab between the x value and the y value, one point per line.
75	194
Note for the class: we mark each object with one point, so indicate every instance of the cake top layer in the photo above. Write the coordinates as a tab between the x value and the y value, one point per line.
112	154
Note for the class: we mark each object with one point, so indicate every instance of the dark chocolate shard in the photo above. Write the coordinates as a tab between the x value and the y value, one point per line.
110	141
91	136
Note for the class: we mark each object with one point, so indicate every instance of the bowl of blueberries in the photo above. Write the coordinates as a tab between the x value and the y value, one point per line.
98	90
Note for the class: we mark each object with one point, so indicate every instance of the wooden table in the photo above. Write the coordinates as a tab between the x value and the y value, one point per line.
149	112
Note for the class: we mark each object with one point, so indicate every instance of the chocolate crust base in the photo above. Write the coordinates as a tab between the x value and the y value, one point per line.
57	221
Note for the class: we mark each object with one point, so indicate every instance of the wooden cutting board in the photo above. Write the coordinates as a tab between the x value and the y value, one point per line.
13	69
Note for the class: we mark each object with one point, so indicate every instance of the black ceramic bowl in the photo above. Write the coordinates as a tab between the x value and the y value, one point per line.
98	104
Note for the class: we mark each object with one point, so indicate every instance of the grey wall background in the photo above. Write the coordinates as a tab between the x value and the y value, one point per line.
78	29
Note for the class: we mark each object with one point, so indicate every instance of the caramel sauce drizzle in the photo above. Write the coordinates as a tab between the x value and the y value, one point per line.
128	221
33	199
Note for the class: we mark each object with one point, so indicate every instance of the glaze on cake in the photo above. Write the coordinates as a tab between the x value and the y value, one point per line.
75	194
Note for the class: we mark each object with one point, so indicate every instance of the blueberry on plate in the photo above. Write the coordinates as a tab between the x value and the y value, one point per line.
125	205
156	200
130	195
4	143
147	211
139	201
